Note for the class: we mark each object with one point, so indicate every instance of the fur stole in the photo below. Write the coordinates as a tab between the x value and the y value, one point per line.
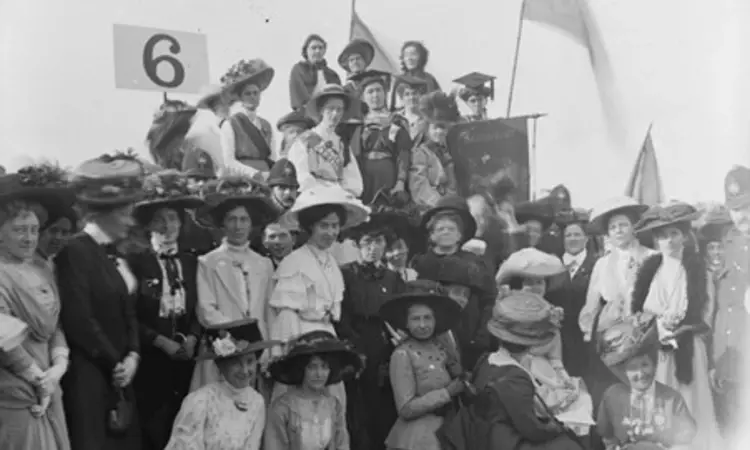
697	293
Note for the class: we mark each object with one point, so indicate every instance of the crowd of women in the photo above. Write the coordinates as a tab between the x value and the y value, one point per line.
341	296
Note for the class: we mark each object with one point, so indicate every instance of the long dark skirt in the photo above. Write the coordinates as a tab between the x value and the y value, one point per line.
376	175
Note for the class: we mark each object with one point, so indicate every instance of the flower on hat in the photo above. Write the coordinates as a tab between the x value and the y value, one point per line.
167	183
45	174
224	346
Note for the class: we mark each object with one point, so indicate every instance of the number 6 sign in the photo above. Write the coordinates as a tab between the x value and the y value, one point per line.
152	59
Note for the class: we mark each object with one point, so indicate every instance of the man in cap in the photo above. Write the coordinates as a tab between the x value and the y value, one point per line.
282	179
733	296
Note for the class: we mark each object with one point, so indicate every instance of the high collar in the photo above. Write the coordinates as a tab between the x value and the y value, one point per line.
163	248
226	245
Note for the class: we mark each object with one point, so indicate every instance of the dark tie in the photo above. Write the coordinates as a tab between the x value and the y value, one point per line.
112	252
173	272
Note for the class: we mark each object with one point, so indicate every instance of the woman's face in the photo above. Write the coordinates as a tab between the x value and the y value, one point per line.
411	57
317	372
398	255
620	231
19	235
356	63
420	322
410	98
53	239
237	225
574	239
166	224
316	51
477	103
372	248
239	371
250	96
534	230
445	233
291	131
715	253
437	132
536	285
332	111
325	232
374	96
118	222
640	372
669	240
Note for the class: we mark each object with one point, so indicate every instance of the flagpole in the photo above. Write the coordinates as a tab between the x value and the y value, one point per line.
351	21
515	58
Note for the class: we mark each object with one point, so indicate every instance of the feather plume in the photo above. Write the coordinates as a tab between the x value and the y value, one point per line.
171	123
46	174
439	107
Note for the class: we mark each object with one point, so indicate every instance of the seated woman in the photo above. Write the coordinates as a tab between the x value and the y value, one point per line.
641	410
508	398
319	155
307	416
310	74
528	270
227	414
425	379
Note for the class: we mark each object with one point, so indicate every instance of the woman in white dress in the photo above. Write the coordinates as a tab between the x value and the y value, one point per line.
227	414
233	281
673	285
309	284
319	155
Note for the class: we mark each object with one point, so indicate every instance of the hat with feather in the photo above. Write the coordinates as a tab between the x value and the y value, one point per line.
248	71
109	181
439	108
229	192
46	184
165	189
169	126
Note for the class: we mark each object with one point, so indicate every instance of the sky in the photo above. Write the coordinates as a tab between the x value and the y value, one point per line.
679	64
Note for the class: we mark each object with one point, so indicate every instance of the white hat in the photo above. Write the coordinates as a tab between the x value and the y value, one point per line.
356	212
616	205
529	262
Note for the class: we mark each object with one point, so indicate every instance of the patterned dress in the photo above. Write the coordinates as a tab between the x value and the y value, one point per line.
210	419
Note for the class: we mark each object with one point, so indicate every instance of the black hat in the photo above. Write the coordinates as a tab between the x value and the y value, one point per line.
287	370
422	292
714	224
403	81
476	83
165	189
660	216
296	117
458	205
737	187
439	108
455	270
356	46
232	339
230	191
109	181
539	211
282	173
44	184
368	77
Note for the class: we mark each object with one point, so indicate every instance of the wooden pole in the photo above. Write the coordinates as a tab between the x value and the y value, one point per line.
515	59
532	157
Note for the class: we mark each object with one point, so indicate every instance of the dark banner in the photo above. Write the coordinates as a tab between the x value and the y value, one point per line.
485	150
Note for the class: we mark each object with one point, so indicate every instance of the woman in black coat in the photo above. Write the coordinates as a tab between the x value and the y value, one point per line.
98	311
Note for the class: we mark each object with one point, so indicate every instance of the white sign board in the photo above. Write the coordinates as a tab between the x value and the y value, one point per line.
151	59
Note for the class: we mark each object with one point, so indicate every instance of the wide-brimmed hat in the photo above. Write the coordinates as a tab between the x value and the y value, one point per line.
282	173
232	339
209	95
439	108
535	210
296	117
422	292
356	47
109	181
289	370
321	95
524	318
356	211
232	191
45	184
714	223
601	214
737	187
529	262
455	270
630	337
572	216
165	189
248	71
454	204
660	216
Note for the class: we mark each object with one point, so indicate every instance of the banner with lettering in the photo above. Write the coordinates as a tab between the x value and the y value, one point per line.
485	150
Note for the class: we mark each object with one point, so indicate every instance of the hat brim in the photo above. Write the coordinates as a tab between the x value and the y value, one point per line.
262	79
469	223
506	335
285	370
598	223
260	208
360	47
657	224
149	207
355	215
447	312
257	347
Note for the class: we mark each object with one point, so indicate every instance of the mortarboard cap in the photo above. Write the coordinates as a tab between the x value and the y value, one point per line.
372	76
476	83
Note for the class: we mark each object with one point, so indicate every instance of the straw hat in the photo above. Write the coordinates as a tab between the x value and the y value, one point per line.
165	189
109	181
45	184
422	292
529	262
631	337
321	95
524	318
287	370
356	211
248	71
232	339
617	205
661	216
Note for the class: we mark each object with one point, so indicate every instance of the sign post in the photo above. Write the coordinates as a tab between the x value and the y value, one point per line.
152	59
